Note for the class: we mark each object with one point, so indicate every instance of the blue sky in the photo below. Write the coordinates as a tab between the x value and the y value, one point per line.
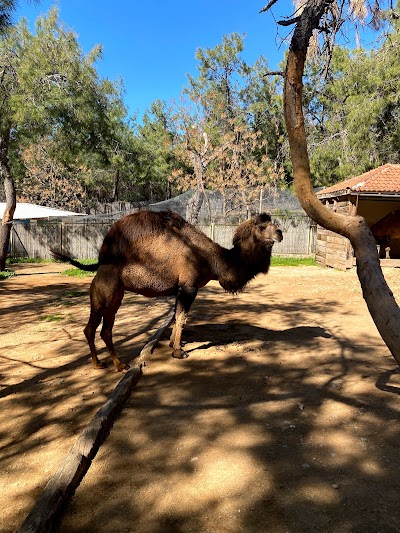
152	45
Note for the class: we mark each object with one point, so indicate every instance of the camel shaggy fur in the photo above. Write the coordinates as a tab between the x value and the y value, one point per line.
160	254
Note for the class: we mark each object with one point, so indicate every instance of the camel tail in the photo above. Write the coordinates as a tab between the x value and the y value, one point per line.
67	259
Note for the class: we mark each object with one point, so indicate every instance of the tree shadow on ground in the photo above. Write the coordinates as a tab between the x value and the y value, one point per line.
48	388
279	428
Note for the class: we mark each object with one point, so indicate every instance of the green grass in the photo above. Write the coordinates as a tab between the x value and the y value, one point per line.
275	261
68	298
72	294
51	318
73	272
293	261
78	273
5	274
14	260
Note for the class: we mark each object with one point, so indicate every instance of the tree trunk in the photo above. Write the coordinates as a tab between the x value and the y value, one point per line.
379	298
196	201
194	205
11	198
115	191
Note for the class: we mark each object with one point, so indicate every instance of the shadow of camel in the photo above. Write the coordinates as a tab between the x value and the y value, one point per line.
221	334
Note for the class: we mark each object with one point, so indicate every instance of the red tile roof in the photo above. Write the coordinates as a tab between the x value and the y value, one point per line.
384	179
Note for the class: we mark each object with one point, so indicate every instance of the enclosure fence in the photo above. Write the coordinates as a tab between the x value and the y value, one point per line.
82	237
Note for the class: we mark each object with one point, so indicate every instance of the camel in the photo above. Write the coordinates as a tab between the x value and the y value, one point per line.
386	230
160	254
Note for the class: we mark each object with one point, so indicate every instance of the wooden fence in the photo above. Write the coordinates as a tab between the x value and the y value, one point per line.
82	238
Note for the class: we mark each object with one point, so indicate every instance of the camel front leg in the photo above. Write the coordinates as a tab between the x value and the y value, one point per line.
184	300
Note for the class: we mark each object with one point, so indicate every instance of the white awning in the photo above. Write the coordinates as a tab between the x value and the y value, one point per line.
25	211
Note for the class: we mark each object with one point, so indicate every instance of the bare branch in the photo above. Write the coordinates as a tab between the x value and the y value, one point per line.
275	73
268	6
288	22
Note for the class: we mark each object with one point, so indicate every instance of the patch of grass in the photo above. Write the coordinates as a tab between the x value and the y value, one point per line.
14	260
78	273
5	274
72	294
52	318
293	261
67	297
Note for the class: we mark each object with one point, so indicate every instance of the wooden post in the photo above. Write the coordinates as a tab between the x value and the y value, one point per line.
62	237
12	241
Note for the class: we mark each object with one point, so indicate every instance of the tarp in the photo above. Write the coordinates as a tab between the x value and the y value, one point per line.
25	211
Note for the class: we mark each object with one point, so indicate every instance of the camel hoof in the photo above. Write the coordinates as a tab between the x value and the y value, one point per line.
122	367
180	354
100	366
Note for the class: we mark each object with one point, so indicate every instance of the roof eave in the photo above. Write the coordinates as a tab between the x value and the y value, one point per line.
360	194
334	194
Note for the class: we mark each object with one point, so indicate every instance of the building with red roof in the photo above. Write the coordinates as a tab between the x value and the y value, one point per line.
382	180
374	195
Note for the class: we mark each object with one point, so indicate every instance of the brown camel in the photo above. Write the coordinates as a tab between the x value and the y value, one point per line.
160	254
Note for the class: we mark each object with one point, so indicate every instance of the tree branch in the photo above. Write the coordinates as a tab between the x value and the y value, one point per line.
275	73
380	301
288	22
268	6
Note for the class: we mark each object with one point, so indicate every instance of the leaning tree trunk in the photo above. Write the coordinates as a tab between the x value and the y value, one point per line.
10	195
380	301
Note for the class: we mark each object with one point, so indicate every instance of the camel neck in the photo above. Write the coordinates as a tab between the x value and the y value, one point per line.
241	264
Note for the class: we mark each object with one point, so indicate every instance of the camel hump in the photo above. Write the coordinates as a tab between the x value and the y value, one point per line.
142	223
138	228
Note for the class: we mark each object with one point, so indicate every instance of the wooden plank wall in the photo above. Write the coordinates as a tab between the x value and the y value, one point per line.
334	250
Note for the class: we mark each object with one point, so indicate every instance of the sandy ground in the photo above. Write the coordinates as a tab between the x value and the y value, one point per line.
285	417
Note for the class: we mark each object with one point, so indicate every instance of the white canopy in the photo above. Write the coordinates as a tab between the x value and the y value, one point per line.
25	211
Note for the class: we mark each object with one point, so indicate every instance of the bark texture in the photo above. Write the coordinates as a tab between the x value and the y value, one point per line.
380	301
194	205
11	199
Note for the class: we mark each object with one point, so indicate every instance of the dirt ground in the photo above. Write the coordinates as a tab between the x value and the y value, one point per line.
285	417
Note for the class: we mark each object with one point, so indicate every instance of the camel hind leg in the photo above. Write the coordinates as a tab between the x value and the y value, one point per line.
106	330
106	293
90	333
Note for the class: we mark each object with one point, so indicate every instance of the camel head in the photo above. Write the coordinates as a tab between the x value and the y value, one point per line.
251	252
258	231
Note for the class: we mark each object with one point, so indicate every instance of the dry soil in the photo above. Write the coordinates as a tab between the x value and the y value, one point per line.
285	417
